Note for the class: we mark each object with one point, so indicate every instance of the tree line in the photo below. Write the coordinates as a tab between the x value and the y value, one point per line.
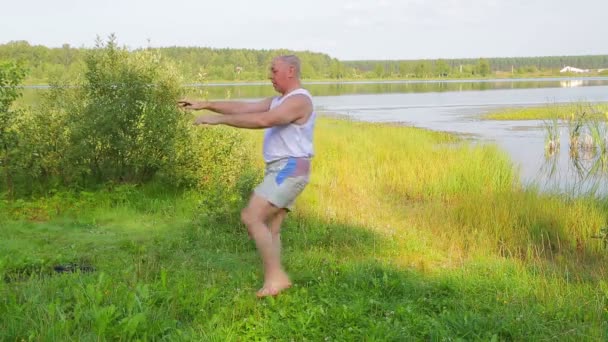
202	64
500	66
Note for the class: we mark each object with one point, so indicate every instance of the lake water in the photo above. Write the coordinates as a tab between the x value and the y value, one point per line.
452	106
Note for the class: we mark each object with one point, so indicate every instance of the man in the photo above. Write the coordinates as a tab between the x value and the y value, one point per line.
289	122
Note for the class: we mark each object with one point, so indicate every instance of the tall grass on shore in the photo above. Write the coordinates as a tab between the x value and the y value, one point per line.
394	172
403	234
553	136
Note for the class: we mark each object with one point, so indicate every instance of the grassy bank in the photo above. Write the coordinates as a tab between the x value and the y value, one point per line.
402	234
549	112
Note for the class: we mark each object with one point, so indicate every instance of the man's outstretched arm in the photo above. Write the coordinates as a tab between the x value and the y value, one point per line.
227	107
295	108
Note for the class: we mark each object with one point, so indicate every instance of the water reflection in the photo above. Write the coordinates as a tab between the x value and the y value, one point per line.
571	83
586	134
396	87
264	89
581	173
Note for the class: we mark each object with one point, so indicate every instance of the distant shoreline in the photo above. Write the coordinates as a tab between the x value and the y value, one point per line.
377	81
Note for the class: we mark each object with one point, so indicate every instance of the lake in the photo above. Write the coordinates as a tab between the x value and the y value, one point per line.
452	106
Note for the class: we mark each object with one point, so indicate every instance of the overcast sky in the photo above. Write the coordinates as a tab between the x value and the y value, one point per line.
352	29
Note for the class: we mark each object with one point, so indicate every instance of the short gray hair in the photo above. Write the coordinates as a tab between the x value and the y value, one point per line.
291	60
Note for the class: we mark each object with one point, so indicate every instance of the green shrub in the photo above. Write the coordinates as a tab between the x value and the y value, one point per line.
11	76
119	123
127	127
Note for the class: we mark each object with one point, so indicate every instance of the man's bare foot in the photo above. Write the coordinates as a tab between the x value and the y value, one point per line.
274	287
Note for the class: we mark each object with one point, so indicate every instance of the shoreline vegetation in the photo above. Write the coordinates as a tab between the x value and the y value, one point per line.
566	111
119	220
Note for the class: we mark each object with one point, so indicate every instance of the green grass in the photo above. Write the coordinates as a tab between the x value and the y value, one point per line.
403	234
549	112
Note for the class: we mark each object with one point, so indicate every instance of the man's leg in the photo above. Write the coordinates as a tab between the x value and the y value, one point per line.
274	224
254	216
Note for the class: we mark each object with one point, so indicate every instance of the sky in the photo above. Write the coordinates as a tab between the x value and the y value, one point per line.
347	30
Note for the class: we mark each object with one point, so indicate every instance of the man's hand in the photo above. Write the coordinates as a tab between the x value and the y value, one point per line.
192	105
208	120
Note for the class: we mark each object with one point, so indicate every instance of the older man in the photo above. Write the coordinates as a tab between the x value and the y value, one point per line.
289	121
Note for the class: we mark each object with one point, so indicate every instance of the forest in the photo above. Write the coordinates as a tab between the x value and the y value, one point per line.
201	64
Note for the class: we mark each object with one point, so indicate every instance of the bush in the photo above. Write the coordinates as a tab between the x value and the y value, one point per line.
11	76
119	123
46	156
129	123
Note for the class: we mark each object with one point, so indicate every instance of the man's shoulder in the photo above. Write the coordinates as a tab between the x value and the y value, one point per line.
305	91
301	93
301	99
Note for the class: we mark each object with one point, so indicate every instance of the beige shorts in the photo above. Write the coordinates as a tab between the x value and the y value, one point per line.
284	180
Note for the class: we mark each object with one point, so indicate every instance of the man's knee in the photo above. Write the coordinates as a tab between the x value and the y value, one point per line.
249	217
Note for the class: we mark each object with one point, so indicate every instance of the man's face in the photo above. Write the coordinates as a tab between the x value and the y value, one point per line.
280	73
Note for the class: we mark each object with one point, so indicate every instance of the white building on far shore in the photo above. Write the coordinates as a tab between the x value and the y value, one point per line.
573	69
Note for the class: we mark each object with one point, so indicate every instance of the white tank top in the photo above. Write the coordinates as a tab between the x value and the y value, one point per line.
290	140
